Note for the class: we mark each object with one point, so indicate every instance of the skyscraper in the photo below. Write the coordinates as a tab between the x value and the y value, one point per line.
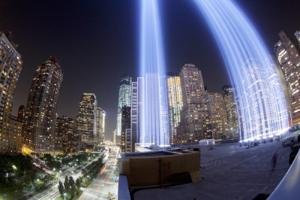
175	105
217	115
10	69
231	110
139	85
124	100
289	61
14	130
21	113
66	138
87	120
194	110
134	113
126	134
39	127
100	130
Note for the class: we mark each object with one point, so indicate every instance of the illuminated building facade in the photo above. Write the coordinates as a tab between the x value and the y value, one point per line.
124	100
87	120
134	114
39	127
289	61
14	130
140	81
21	113
10	69
100	129
175	105
232	131
194	112
127	144
217	115
66	139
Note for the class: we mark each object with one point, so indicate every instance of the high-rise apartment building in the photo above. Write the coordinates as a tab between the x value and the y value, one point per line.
124	100
21	113
232	131
66	138
289	61
10	69
39	126
14	130
175	102
87	120
100	129
194	112
217	115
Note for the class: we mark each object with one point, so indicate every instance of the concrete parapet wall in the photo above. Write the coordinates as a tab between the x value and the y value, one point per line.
143	171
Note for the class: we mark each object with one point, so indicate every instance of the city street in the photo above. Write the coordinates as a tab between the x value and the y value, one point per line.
105	186
52	193
229	172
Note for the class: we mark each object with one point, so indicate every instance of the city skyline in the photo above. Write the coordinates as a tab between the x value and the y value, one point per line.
149	99
101	64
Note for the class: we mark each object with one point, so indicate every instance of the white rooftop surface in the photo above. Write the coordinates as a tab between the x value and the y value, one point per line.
229	172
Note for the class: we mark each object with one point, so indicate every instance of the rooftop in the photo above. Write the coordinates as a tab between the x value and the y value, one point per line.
229	172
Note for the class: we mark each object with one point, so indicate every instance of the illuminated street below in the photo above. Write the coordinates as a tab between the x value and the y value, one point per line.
52	193
105	186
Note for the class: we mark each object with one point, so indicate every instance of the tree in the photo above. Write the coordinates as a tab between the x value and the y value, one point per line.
71	181
78	183
66	184
72	186
61	188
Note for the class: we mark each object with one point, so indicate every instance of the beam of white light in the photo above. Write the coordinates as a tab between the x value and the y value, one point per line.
262	106
154	129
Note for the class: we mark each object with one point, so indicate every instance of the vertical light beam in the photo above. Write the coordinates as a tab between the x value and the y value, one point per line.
262	106
154	129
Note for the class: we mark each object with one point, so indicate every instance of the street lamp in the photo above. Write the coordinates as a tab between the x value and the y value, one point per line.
14	167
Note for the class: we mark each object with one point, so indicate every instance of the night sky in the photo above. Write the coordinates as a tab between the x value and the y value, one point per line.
96	42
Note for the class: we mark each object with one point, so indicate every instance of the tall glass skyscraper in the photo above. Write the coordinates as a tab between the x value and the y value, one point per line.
87	120
101	116
134	114
10	69
232	114
124	100
39	127
175	105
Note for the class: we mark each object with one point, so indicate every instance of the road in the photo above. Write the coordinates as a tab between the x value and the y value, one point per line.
105	186
52	193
